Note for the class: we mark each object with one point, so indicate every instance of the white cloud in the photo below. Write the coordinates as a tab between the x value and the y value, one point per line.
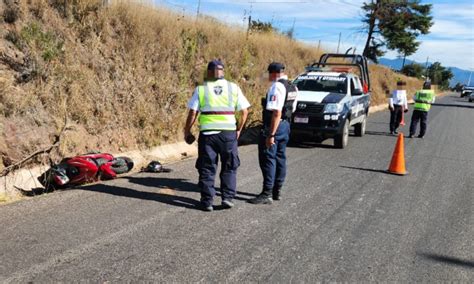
450	29
451	53
459	11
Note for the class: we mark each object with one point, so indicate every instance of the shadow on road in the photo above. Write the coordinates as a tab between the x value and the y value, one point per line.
452	105
178	185
170	199
379	133
447	259
367	170
164	182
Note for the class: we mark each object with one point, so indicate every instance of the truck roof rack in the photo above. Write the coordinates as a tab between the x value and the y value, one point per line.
356	60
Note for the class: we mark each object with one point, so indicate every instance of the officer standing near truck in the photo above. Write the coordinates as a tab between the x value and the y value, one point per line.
278	106
222	112
423	100
398	105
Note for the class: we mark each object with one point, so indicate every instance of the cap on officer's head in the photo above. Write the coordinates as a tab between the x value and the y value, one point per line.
215	64
276	67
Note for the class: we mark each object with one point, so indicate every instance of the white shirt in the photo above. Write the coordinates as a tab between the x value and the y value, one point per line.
242	102
276	96
399	97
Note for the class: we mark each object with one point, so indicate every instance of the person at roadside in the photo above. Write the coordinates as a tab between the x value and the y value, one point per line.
423	100
278	105
398	105
222	111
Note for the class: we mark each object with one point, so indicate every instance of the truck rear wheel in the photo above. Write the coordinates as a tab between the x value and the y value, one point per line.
340	141
359	128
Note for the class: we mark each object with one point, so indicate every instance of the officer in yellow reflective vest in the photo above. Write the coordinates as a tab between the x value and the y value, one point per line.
222	110
423	100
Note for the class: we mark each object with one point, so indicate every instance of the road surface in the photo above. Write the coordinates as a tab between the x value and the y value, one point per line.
342	218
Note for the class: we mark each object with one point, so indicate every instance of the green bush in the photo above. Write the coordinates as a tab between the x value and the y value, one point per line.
48	43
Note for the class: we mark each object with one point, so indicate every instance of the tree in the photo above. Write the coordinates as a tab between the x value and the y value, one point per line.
440	75
413	70
395	24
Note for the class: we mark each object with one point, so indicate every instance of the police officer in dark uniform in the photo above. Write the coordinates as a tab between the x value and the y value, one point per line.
278	105
222	110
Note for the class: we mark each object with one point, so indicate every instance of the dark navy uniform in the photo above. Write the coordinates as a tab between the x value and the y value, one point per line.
217	102
281	96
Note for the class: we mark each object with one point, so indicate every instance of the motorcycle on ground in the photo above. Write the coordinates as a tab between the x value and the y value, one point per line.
84	169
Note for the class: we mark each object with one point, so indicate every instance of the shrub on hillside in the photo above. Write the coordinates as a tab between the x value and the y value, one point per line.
12	12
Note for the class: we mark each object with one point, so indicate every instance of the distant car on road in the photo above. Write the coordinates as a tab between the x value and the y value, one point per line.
466	91
471	97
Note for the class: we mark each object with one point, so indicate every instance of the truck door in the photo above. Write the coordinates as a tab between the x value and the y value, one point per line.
357	105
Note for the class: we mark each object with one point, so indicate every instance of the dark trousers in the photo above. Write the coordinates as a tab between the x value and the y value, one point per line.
273	160
210	148
419	116
395	117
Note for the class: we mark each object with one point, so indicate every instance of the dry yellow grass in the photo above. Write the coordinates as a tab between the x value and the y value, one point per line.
122	74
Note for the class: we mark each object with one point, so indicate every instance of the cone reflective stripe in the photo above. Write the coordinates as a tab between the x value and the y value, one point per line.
397	165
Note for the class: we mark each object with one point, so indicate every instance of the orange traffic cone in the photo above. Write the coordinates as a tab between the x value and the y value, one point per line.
397	165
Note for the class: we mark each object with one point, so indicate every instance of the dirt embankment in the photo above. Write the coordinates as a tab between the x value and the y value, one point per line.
120	75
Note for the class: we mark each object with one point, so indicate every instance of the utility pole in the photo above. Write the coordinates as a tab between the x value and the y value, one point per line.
426	67
339	43
291	33
199	6
319	45
250	23
469	81
250	20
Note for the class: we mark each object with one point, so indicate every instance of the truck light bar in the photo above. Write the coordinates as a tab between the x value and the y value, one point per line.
337	69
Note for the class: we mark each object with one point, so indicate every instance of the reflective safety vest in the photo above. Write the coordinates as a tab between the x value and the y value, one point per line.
424	99
217	103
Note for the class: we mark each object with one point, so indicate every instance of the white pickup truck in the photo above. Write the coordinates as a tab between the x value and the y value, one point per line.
332	97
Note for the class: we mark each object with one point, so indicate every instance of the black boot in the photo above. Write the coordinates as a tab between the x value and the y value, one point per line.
263	198
276	193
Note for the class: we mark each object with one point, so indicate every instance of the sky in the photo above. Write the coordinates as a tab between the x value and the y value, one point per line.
450	41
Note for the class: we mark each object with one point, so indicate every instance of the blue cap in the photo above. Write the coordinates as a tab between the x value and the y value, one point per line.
276	67
214	64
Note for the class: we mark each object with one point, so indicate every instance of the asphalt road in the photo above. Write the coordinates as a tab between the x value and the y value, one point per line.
342	218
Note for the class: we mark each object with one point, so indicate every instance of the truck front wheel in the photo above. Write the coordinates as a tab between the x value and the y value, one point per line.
340	141
359	128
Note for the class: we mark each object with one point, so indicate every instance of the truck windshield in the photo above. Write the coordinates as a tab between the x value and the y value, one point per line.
318	83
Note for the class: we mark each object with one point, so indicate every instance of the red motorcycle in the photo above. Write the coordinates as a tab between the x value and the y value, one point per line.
84	169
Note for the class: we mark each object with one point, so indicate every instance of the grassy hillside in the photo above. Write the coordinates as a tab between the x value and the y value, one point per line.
121	74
